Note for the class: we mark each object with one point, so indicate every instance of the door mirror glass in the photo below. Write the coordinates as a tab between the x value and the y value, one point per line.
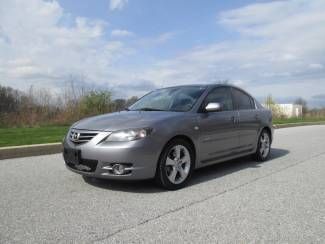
213	107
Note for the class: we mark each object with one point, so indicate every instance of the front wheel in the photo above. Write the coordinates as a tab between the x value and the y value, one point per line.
263	147
175	165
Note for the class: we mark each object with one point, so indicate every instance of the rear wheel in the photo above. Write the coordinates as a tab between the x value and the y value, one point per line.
175	165
263	146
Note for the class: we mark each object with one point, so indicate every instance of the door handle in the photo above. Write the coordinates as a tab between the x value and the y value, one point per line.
257	117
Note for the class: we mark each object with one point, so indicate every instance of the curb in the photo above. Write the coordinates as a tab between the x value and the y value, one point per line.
30	150
52	148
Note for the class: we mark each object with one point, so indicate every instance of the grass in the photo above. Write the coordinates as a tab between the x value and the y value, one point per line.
49	134
297	120
28	136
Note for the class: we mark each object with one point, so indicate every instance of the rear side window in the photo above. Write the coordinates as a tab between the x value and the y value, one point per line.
220	95
258	105
242	100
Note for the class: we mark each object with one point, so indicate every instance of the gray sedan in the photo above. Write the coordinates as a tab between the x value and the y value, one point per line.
170	132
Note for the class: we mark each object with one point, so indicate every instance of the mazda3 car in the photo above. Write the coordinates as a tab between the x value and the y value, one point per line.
169	133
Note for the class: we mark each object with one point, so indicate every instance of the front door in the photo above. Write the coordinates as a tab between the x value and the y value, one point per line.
218	133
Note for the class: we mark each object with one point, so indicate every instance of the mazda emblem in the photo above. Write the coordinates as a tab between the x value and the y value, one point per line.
76	136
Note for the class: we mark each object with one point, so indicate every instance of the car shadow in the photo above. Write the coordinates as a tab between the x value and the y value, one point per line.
131	186
218	170
199	176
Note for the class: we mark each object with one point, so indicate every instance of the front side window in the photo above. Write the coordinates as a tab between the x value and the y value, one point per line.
177	99
221	95
242	100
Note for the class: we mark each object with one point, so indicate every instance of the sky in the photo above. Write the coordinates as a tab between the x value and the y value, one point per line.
133	46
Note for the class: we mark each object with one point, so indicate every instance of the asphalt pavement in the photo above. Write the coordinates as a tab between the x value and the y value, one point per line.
240	201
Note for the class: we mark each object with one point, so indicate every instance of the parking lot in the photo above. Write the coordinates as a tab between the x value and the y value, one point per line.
281	200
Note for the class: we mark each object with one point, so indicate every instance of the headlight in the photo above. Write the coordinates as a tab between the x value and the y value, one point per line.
129	135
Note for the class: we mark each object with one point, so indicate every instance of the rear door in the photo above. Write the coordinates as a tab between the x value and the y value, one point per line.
218	133
248	120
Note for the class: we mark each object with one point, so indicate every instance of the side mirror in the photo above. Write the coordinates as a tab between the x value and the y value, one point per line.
213	107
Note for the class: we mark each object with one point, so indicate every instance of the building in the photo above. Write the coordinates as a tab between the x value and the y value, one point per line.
290	110
287	110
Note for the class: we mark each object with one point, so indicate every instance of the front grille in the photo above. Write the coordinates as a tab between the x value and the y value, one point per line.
79	137
85	165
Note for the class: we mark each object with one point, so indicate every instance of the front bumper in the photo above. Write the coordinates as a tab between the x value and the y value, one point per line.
97	157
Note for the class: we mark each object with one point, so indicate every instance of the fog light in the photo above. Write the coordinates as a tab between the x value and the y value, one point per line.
118	169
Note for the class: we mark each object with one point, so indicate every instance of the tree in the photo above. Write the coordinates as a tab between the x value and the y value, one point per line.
303	103
269	101
9	100
131	100
96	102
275	108
119	104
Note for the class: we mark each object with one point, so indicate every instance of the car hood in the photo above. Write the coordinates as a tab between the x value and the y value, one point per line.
123	120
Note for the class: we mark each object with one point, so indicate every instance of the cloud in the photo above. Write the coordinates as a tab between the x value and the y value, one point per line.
316	66
136	88
279	48
157	40
37	47
274	19
319	97
317	100
162	38
117	4
121	33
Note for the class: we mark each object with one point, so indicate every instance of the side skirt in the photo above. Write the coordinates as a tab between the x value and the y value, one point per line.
226	157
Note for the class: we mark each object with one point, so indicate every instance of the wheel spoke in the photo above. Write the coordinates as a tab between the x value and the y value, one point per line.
170	162
183	173
178	151
186	158
264	145
267	142
172	175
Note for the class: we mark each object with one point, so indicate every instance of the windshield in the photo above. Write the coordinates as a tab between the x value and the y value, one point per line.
178	99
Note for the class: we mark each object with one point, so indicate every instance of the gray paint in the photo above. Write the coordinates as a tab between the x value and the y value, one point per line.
217	136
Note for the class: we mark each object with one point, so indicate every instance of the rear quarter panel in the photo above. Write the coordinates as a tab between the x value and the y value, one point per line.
265	116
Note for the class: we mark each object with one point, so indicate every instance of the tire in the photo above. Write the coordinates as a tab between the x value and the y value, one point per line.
263	146
175	165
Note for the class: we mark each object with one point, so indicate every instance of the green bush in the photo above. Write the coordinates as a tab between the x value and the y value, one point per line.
96	102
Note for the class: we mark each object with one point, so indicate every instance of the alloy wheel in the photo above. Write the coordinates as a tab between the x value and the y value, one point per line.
178	164
265	144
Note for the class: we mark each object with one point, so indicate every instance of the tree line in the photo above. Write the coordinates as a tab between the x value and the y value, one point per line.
38	107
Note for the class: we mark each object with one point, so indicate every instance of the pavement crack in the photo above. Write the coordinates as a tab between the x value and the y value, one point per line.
206	198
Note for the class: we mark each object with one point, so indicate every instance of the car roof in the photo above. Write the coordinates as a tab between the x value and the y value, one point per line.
204	85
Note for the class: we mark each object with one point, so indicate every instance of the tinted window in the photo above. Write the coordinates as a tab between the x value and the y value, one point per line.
242	100
220	95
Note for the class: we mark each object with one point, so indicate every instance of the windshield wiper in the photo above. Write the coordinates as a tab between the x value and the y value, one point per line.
149	109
